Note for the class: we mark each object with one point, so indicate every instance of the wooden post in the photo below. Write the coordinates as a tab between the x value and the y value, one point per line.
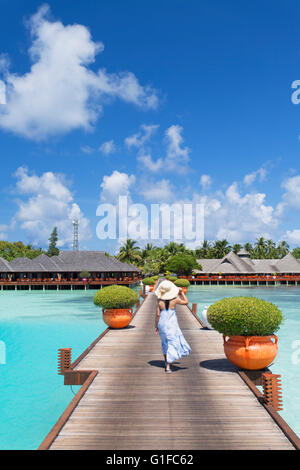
64	360
194	309
272	390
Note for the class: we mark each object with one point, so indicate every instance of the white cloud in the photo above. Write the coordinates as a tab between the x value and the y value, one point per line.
87	149
49	203
205	181
236	216
291	197
3	231
115	185
159	191
149	163
177	156
261	174
140	138
292	236
61	93
108	147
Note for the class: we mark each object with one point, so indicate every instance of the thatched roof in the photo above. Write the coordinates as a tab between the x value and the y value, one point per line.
244	253
4	266
68	261
24	265
288	264
236	264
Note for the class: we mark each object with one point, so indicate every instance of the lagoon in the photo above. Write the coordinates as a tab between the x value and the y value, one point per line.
33	325
287	361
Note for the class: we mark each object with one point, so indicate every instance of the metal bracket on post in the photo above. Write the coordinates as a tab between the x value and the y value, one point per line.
272	390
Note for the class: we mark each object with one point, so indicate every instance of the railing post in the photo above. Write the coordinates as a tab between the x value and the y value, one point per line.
64	360
194	309
272	390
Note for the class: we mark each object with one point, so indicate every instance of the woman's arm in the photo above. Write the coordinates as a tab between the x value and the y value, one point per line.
181	299
157	316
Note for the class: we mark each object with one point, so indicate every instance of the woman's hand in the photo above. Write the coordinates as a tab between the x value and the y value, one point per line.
156	330
182	300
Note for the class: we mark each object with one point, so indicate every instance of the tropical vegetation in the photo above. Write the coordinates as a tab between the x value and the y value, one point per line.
84	274
130	252
154	260
261	249
10	251
182	264
53	250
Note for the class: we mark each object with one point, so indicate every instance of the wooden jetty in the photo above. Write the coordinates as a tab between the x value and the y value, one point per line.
129	402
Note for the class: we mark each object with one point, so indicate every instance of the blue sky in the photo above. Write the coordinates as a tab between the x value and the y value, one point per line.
163	101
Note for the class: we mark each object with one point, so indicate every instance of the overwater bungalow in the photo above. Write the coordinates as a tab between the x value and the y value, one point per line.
65	269
237	269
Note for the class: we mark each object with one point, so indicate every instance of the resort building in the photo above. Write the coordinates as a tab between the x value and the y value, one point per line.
241	269
64	270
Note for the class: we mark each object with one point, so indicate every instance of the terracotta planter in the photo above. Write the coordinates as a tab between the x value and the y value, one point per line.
151	288
251	352
117	318
184	289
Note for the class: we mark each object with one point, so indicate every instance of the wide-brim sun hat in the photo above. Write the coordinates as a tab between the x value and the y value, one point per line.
167	290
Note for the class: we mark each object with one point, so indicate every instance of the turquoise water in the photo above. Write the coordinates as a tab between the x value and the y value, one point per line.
33	325
287	362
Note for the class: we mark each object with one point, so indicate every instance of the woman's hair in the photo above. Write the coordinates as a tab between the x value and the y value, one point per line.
166	302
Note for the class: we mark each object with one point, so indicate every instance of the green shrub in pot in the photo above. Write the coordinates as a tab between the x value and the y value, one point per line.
244	316
172	278
182	283
148	281
115	297
248	325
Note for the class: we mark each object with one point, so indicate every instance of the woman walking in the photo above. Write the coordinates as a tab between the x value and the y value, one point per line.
174	346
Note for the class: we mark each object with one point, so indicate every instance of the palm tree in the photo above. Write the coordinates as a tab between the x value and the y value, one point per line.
260	248
282	248
248	247
221	248
271	249
204	251
147	250
236	248
172	248
129	252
